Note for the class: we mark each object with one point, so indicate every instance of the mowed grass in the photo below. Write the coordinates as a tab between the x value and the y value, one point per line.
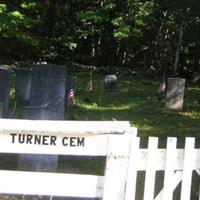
136	101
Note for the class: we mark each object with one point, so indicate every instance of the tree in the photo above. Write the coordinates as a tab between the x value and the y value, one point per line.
151	36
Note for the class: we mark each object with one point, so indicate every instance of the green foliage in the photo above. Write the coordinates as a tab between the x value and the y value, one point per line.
102	33
3	8
90	17
28	5
136	102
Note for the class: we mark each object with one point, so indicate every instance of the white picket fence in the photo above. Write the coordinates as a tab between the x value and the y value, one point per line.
117	141
177	165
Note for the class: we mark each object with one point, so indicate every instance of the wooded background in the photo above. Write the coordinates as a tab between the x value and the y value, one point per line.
151	36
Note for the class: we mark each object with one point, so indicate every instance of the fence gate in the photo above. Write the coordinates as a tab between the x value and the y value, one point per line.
165	168
131	172
109	139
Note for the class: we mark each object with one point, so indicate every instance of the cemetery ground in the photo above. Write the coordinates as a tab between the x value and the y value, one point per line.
136	101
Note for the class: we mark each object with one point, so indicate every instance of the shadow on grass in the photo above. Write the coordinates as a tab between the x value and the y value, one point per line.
136	102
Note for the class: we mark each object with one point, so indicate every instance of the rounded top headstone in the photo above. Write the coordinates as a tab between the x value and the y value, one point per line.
111	76
6	67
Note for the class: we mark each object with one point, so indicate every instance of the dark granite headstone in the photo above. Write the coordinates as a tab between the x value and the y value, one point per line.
23	85
110	83
37	113
35	162
1	110
175	93
48	87
47	103
5	79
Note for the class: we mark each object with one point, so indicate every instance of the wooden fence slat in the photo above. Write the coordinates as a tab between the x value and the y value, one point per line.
132	169
64	127
52	184
150	171
132	131
116	167
170	168
188	166
116	140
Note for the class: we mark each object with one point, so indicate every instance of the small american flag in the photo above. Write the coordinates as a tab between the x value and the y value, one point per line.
71	97
90	86
162	87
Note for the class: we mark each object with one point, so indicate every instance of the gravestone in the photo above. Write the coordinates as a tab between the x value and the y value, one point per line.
48	88
47	103
23	85
175	93
1	110
37	162
5	79
110	83
37	113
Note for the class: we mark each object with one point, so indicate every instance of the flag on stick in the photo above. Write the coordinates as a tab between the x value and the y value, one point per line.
71	97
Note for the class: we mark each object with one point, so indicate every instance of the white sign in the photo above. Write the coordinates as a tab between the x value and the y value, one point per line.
58	137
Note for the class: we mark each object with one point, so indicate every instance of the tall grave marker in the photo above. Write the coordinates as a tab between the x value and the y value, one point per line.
5	79
1	110
23	85
48	88
175	93
47	103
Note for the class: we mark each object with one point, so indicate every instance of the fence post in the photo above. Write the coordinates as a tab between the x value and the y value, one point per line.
116	167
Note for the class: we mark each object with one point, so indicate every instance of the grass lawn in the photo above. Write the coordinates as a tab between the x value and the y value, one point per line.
135	101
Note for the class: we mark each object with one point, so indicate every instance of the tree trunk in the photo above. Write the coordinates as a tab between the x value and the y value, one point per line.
178	47
51	18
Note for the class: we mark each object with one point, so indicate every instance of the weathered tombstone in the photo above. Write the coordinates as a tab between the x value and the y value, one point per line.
5	79
1	110
47	103
37	162
48	87
23	85
37	113
175	93
110	83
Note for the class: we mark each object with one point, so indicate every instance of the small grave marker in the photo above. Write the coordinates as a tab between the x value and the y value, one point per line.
110	83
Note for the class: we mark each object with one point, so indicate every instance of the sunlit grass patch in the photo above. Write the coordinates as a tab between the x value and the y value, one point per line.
136	101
